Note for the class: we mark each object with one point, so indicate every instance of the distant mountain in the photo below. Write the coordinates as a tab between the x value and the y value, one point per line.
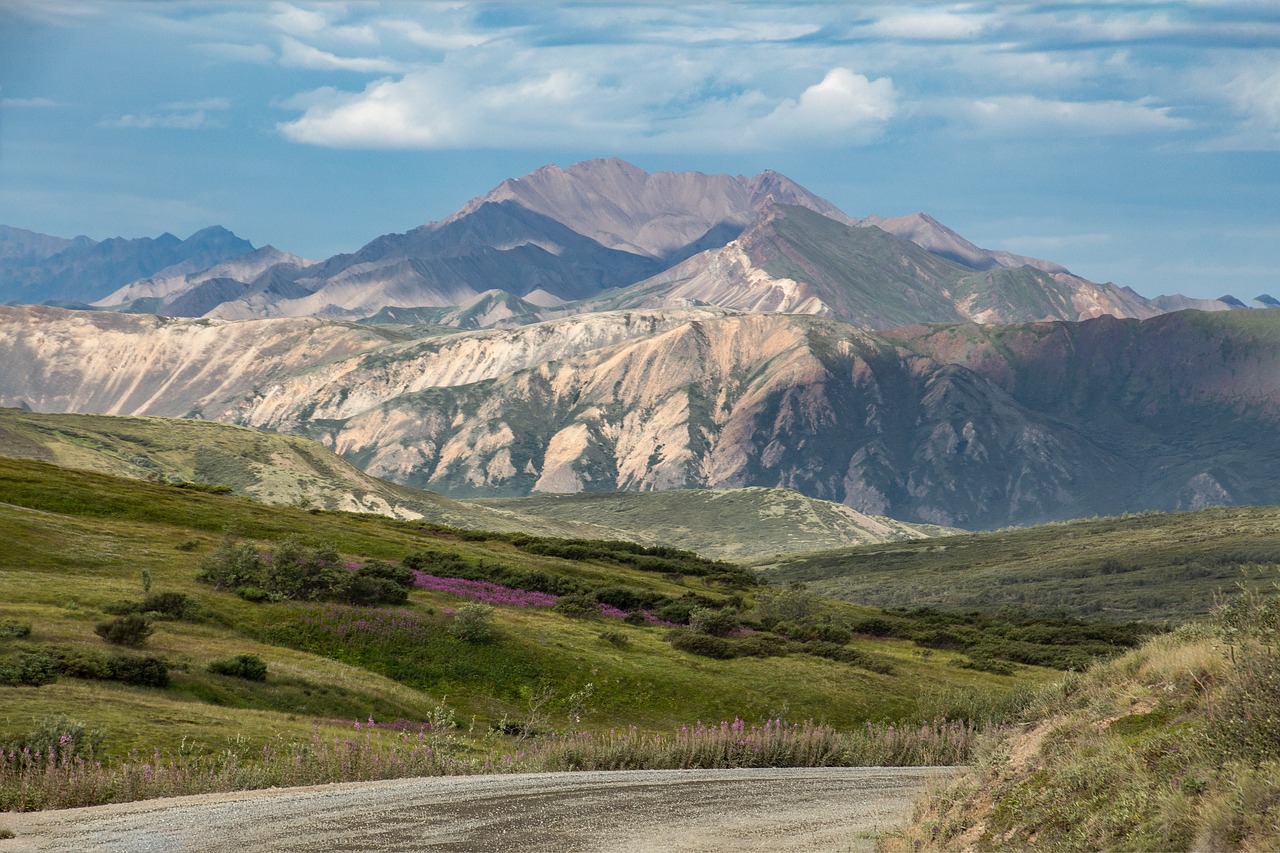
664	215
37	268
931	235
184	295
567	235
793	260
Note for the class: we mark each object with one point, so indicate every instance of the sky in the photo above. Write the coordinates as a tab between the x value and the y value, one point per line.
1134	142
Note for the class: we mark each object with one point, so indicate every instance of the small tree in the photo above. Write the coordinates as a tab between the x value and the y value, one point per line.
473	623
130	630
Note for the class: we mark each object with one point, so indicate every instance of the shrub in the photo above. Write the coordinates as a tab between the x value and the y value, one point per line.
31	669
83	663
256	594
706	645
235	564
10	629
578	606
130	630
377	582
172	604
143	671
188	545
473	623
717	623
248	667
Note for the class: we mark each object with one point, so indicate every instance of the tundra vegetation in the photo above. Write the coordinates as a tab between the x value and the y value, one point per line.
474	652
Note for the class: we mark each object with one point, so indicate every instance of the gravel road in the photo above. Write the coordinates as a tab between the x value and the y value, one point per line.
647	811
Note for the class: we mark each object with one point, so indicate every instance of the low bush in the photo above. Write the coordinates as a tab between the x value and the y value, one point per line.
615	638
577	606
129	630
139	670
29	669
473	623
248	667
83	663
11	630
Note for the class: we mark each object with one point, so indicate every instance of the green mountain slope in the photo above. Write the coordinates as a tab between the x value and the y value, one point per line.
731	524
292	471
1150	566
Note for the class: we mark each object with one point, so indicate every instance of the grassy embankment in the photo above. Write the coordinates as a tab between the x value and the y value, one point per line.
78	546
1174	746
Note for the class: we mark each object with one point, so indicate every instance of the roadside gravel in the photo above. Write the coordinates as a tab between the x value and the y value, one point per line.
647	811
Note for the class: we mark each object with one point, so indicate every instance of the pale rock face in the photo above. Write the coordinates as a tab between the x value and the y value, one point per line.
80	361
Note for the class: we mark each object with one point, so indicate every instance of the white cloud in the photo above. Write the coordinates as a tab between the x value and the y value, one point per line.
1255	94
937	25
179	115
298	55
844	105
1012	114
434	108
317	22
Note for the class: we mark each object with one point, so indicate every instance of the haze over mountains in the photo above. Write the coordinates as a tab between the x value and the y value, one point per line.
598	328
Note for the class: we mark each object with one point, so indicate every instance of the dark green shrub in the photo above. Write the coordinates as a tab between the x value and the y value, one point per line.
83	663
377	582
717	623
578	606
11	630
620	597
175	605
255	594
188	545
30	669
130	630
140	670
677	611
236	563
248	667
635	617
760	646
706	645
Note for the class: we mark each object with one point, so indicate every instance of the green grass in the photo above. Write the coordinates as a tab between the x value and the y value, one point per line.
1174	746
77	541
1153	566
731	524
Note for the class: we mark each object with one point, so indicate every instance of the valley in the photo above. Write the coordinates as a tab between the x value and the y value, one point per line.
618	471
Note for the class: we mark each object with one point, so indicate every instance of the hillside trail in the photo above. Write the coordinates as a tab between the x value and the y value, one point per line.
794	810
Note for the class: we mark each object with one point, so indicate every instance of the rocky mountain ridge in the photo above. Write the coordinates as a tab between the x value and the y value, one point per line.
956	424
567	240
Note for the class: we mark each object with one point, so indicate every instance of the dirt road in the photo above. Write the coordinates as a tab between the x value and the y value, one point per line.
793	810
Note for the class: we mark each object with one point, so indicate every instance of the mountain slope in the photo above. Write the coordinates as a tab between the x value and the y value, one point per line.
795	261
955	424
729	524
85	271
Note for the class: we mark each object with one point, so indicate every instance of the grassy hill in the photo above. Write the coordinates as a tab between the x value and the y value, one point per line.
291	471
1174	746
731	524
1151	566
703	642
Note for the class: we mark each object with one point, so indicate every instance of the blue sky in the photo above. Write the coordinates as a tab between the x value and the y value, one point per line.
1136	142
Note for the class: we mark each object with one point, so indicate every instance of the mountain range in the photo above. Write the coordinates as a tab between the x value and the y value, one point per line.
599	329
957	424
600	234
